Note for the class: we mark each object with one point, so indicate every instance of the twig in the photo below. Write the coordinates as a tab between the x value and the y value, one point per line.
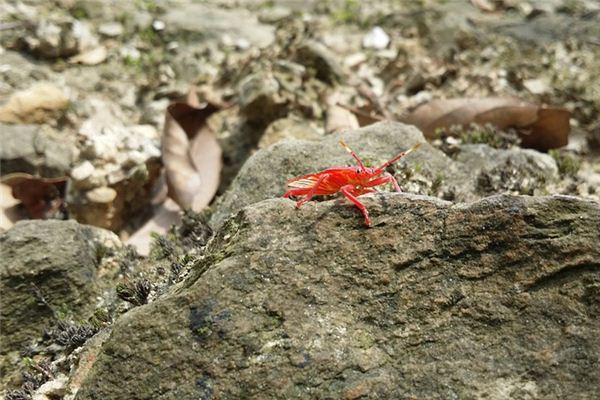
361	113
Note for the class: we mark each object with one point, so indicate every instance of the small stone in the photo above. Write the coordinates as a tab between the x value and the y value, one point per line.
242	44
55	388
18	153
82	171
90	57
36	104
356	391
299	360
158	25
130	53
259	97
535	86
274	14
288	128
61	39
212	22
316	55
111	29
376	39
101	195
354	60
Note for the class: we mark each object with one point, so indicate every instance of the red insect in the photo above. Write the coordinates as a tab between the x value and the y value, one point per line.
351	181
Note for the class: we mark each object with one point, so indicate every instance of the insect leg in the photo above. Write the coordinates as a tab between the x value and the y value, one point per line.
347	191
295	192
399	156
385	179
312	190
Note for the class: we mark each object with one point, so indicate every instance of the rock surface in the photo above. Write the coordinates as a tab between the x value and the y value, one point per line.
497	298
47	266
427	171
212	22
35	150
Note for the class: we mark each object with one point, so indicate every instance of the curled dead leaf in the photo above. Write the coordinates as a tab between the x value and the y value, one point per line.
365	116
164	216
41	197
541	128
338	118
191	153
10	212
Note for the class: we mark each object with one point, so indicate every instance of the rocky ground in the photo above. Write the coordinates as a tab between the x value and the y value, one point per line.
481	281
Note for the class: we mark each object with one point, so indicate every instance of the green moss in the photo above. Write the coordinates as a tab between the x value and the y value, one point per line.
349	13
568	164
162	247
418	168
436	184
80	11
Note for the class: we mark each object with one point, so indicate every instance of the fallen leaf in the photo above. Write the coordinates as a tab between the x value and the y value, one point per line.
191	154
365	116
41	197
339	118
35	104
10	212
163	217
541	128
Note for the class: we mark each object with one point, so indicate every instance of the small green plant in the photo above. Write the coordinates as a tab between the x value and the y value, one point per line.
135	292
418	168
72	336
480	134
162	247
80	11
436	184
568	164
349	13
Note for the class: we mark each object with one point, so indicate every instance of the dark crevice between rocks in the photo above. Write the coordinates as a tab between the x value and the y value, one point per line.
565	274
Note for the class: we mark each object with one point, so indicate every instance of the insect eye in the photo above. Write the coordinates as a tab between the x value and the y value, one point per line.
358	170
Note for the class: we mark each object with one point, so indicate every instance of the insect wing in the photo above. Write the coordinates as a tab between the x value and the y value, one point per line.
303	182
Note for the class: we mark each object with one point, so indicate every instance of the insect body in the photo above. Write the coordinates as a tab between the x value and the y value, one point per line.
351	181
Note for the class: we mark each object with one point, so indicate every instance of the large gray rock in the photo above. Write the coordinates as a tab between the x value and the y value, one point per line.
209	21
478	170
493	299
35	150
48	267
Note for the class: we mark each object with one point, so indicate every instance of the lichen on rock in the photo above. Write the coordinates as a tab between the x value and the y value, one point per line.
49	270
435	300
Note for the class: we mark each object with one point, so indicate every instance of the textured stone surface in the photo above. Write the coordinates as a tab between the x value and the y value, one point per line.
212	22
46	267
497	299
478	170
35	150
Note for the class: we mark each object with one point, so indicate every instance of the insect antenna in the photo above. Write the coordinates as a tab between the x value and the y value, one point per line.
399	156
356	157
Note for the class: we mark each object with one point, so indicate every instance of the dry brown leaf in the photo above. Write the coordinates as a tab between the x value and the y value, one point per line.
41	197
542	128
365	116
9	208
338	118
163	217
191	154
